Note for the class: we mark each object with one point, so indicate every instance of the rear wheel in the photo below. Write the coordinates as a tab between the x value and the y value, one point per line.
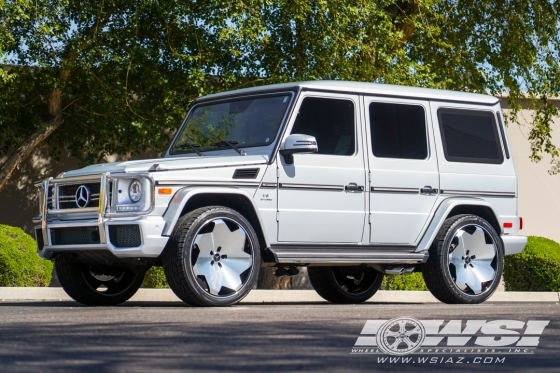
465	262
345	284
214	257
94	285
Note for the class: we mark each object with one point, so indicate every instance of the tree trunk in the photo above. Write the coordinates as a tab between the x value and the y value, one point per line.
267	280
36	139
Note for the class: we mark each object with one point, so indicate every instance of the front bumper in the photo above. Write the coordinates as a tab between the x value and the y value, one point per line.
514	244
98	228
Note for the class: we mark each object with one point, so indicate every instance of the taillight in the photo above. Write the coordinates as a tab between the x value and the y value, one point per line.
520	223
508	225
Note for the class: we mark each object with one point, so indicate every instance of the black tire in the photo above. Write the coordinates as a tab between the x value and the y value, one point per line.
445	276
183	257
345	285
78	281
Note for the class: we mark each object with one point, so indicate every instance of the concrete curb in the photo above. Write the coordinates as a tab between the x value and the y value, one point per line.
275	296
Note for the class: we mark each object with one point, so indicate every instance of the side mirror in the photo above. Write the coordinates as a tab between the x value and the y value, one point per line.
298	144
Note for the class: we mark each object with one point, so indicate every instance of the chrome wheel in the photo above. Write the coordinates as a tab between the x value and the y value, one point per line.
472	259
465	261
221	256
213	257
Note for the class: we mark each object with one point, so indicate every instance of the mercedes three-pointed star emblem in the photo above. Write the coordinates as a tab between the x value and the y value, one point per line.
82	196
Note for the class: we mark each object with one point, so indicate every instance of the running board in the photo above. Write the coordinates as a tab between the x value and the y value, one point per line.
329	256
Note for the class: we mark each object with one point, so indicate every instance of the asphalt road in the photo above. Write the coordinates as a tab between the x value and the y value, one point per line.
157	337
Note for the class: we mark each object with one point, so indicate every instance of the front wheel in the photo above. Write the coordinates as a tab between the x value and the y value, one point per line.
213	258
465	261
345	285
96	286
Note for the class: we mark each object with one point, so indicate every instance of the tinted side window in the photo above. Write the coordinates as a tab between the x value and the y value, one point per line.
332	123
470	136
398	131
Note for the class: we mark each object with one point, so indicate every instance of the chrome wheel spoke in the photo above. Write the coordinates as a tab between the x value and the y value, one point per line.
205	243
482	270
231	242
462	278
238	265
211	273
230	278
477	246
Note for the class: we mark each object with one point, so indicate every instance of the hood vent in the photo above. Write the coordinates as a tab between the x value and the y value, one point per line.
246	173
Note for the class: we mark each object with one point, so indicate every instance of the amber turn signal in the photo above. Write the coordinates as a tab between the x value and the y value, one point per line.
165	190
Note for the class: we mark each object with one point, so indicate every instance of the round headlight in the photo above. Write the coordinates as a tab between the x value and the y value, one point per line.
135	190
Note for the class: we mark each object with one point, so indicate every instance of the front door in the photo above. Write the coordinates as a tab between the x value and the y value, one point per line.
404	180
321	197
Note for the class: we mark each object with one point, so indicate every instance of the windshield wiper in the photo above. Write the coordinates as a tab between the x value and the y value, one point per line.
190	146
231	144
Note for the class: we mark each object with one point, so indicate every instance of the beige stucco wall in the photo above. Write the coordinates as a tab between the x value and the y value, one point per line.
539	192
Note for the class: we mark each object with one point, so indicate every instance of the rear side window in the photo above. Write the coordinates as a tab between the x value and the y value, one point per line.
470	136
398	131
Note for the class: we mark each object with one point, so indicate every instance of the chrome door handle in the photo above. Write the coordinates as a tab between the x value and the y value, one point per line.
354	188
428	190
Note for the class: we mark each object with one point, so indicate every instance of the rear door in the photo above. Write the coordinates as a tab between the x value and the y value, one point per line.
403	167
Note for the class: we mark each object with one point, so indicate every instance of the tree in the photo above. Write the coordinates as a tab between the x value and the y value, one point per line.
116	76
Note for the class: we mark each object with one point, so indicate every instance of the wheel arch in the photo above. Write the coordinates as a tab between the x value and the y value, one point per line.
189	199
456	206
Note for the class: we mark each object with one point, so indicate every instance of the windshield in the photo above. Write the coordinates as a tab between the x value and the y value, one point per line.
242	123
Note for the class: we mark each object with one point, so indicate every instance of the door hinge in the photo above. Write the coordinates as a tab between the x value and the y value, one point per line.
277	216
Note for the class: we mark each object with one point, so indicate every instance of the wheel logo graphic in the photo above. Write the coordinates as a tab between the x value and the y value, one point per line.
401	336
82	196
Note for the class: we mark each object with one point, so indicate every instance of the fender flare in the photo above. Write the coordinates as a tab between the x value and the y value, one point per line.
182	196
441	214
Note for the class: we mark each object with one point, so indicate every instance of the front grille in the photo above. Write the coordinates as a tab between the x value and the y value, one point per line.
75	236
67	195
39	239
125	235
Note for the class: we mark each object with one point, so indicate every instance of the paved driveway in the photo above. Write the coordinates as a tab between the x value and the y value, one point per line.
156	337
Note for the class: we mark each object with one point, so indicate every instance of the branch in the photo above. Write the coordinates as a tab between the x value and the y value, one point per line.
29	145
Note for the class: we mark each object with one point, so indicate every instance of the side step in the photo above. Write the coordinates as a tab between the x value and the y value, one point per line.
339	256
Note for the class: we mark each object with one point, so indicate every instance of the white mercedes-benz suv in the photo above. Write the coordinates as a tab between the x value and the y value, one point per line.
352	180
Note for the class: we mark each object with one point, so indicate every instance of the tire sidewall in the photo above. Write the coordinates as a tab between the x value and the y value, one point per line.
444	252
190	236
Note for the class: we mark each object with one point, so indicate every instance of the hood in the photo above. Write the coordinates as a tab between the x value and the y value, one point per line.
168	164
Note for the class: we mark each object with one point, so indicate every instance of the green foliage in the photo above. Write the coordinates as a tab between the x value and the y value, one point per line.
412	281
127	70
155	279
537	268
19	263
